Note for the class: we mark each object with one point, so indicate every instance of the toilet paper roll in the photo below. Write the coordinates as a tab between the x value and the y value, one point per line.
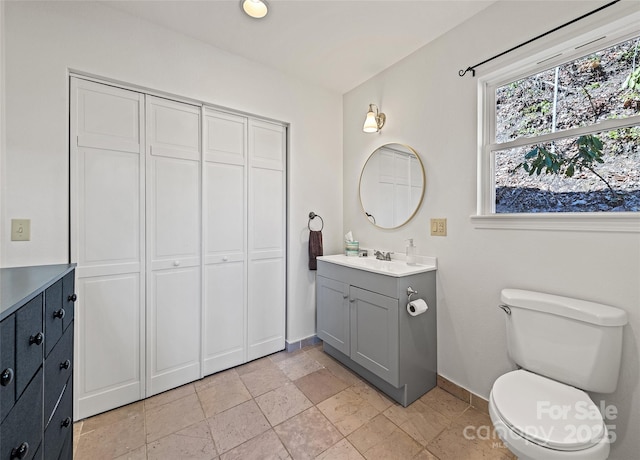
417	307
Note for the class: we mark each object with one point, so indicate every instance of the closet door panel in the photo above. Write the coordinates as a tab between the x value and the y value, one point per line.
225	138
266	325
268	210
225	316
266	144
107	117
173	128
107	166
175	193
108	323
173	338
109	184
225	209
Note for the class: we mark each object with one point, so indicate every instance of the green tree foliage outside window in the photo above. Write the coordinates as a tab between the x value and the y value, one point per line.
581	93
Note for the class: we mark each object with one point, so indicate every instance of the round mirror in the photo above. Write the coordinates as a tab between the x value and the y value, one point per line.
392	185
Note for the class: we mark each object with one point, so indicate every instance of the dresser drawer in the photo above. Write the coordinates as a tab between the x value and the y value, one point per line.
29	343
22	429
7	365
54	314
57	368
68	298
60	427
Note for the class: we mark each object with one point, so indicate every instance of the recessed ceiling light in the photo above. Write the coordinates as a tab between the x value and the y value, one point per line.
255	8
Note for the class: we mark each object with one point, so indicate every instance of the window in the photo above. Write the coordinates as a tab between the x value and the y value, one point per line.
560	133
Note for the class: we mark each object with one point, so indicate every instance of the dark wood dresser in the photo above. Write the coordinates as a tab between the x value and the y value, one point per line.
36	362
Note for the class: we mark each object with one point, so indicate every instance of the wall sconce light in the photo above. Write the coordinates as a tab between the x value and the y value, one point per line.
255	8
374	121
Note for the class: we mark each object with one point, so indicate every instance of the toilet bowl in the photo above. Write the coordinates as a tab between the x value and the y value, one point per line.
540	419
563	346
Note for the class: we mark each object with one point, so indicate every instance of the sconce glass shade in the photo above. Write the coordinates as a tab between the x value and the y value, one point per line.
370	125
374	121
255	8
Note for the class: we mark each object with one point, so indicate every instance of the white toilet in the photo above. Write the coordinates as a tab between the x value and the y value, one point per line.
563	346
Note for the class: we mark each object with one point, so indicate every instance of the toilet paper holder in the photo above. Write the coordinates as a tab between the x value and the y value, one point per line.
411	292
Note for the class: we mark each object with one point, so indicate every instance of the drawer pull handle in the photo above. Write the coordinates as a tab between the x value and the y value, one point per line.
59	313
65	365
7	377
21	451
66	422
37	339
72	298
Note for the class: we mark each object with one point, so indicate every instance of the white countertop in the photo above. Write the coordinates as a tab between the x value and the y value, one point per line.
396	268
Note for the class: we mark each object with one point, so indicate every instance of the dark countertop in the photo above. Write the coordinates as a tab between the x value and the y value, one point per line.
18	285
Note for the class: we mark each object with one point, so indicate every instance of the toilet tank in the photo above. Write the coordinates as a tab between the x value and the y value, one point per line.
573	341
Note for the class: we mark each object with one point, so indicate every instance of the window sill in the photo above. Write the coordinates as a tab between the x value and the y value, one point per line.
624	222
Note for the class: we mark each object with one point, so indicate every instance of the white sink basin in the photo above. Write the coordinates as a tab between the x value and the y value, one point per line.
396	268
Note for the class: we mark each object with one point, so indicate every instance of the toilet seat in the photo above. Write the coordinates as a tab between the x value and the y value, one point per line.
547	413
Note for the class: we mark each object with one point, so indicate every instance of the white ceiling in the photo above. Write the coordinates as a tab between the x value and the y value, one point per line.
337	44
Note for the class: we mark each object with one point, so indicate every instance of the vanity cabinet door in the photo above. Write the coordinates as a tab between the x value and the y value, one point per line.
374	333
333	313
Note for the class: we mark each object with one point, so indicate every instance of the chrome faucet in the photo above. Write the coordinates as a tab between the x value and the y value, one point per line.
383	255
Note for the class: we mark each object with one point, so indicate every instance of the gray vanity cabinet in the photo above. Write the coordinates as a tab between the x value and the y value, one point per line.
363	322
333	318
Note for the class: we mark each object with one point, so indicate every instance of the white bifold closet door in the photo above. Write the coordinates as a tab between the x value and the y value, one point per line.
173	244
107	242
178	229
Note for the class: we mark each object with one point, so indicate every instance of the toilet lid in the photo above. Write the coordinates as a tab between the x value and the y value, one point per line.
547	412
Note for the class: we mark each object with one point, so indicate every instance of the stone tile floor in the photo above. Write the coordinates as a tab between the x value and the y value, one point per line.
300	405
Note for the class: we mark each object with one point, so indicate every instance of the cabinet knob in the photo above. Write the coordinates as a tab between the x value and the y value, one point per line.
225	258
66	422
65	365
7	377
21	451
59	313
72	298
37	339
176	263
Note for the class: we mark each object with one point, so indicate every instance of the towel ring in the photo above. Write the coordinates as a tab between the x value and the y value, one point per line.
313	215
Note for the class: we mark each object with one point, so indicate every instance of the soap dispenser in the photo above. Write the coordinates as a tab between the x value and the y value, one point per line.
411	253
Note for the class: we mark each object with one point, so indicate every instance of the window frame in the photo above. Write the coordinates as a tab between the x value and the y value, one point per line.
552	56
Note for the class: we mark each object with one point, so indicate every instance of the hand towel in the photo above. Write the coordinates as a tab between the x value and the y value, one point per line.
315	248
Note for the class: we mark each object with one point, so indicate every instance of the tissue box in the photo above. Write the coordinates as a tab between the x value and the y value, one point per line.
352	248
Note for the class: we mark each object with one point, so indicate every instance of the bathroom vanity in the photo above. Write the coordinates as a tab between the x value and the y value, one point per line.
363	321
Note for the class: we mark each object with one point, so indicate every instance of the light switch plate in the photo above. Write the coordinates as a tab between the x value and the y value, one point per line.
439	227
20	229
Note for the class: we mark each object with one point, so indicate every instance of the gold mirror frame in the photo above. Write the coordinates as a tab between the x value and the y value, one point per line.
405	149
